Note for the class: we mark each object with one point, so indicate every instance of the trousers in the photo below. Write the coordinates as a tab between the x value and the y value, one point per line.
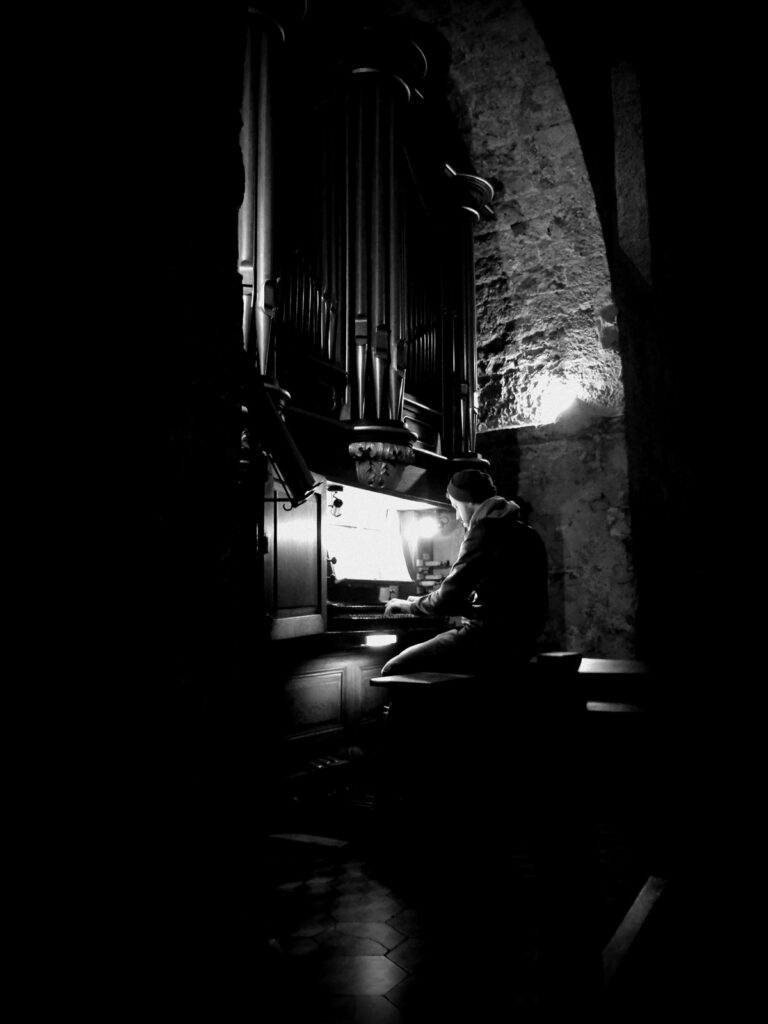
468	648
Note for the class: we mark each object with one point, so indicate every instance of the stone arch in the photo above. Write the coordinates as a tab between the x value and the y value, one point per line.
544	305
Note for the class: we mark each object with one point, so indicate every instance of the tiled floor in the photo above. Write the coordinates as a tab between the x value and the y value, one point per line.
434	910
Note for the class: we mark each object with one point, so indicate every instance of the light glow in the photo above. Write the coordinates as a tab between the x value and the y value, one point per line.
380	640
422	528
428	527
555	399
366	539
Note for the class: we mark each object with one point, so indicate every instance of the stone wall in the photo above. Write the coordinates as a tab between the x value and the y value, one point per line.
545	317
571	481
541	271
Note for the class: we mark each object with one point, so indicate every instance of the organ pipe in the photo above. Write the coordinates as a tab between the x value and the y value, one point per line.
373	244
256	234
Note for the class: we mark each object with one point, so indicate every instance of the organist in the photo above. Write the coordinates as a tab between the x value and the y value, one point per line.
496	587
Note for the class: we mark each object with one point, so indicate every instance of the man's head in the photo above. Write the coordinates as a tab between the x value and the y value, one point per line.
467	489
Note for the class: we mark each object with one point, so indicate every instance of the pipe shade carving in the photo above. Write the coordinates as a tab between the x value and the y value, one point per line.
380	463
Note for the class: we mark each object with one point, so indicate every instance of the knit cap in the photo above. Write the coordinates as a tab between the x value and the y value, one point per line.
471	485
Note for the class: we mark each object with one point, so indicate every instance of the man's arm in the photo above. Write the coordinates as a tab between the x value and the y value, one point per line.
452	596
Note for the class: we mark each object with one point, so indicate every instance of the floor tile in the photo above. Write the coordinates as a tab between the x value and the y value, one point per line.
411	955
389	937
313	926
360	975
409	921
351	945
358	1010
360	908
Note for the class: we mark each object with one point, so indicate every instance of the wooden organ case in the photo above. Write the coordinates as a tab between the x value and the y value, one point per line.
356	258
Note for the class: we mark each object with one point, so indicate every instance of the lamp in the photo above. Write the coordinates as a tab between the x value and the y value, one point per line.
380	640
428	527
335	506
556	397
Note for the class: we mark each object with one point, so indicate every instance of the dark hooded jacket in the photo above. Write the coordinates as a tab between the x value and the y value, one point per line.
499	579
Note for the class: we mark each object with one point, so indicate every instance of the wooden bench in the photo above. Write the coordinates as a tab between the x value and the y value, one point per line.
607	685
422	679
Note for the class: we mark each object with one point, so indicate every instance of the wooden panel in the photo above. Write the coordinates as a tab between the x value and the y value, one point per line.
294	556
294	563
313	702
297	625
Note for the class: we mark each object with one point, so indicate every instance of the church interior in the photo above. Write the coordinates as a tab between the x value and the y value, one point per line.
369	244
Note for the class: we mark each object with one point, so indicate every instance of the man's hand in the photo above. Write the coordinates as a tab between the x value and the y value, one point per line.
396	606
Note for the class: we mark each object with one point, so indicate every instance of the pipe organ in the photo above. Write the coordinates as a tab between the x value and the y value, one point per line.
355	241
356	237
356	258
